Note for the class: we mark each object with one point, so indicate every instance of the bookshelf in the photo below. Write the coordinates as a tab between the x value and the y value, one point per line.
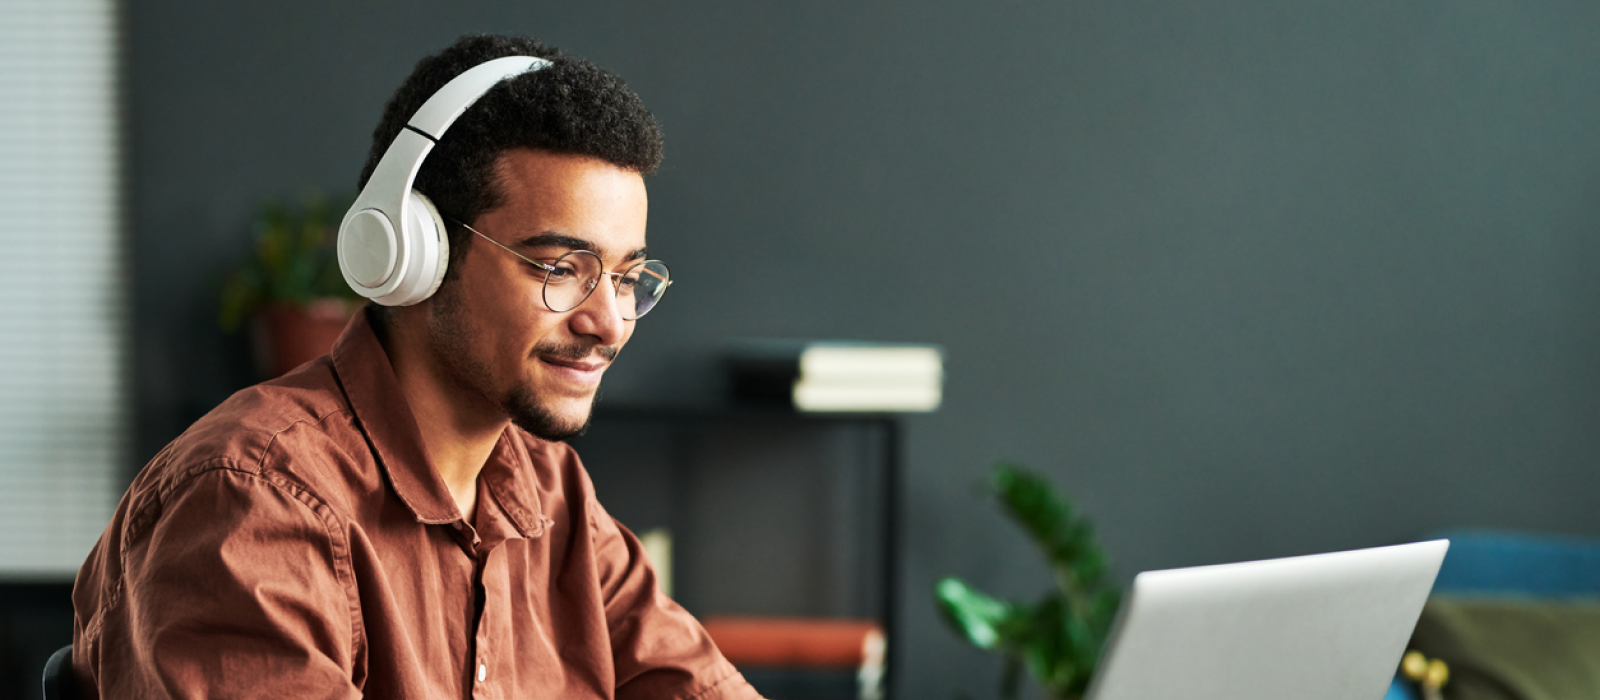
773	514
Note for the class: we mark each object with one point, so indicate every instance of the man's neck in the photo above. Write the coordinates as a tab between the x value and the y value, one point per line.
459	429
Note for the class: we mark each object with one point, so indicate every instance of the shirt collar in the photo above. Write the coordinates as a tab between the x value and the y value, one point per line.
380	408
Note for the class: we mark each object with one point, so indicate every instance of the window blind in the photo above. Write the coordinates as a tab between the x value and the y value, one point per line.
61	265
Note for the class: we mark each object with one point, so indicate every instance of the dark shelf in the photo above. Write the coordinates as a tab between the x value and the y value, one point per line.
772	511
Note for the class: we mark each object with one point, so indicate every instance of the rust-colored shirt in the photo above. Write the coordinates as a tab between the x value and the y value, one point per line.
296	543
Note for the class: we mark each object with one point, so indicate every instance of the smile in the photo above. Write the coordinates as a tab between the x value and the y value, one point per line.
576	371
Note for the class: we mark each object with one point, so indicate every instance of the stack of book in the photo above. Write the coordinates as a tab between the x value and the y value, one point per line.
796	658
838	376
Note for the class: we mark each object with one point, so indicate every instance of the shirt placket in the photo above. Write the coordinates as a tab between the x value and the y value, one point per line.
491	629
473	546
485	645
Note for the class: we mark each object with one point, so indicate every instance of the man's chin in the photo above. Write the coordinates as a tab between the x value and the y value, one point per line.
568	420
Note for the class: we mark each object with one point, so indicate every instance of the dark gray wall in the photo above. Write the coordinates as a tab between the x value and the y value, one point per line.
1247	278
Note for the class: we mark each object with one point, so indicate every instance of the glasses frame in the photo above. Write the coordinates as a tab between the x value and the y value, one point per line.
616	277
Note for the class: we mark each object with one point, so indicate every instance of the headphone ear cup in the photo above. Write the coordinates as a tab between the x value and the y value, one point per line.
433	241
393	246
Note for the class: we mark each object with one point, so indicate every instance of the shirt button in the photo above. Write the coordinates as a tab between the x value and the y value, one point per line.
483	672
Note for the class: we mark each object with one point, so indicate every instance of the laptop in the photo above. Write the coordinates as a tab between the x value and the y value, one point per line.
1318	627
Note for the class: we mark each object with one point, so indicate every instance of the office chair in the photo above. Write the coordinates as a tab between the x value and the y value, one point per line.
59	683
1527	567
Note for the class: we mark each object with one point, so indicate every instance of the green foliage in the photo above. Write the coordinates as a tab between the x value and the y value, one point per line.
1058	638
294	261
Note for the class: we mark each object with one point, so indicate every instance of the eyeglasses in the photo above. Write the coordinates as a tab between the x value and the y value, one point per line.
572	278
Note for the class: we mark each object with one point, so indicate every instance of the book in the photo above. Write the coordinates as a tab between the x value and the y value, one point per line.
795	641
840	397
838	376
799	658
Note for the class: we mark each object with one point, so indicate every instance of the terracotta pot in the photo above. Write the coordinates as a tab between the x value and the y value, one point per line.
287	336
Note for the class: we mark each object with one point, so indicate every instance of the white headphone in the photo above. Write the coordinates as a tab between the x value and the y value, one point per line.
392	244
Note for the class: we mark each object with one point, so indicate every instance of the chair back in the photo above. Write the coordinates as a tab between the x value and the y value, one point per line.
1505	563
59	683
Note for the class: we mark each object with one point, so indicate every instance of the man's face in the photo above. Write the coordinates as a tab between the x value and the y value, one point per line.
489	328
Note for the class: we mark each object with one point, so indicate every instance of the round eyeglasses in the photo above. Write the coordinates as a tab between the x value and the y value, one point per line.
570	280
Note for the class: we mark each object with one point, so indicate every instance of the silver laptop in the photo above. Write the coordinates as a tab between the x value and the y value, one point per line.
1319	627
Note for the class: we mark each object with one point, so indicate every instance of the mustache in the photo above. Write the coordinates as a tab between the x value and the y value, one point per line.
575	351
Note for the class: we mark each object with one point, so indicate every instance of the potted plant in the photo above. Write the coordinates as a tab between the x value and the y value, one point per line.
1058	639
289	291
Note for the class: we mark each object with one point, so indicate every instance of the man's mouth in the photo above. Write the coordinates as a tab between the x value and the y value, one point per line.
578	365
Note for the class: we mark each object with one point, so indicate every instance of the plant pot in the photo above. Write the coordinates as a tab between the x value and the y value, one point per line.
286	336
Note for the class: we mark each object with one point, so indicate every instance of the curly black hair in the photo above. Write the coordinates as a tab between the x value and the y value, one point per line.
571	107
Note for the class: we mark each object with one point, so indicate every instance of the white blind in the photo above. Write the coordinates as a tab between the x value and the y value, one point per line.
61	340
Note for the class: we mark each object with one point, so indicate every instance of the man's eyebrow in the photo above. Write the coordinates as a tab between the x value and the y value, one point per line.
554	240
559	240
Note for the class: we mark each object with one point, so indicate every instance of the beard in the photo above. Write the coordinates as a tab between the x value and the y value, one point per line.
525	411
447	337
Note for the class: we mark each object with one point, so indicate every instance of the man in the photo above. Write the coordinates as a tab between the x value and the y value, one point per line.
399	519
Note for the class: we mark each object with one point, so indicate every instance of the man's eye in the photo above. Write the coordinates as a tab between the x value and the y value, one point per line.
561	273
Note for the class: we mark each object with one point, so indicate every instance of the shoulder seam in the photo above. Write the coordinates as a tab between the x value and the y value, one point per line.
261	459
344	567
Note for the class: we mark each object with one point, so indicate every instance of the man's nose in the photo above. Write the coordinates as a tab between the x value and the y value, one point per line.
599	315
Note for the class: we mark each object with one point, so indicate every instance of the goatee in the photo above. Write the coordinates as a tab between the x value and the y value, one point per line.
527	413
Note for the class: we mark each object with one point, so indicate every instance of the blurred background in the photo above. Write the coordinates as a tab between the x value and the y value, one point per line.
1244	278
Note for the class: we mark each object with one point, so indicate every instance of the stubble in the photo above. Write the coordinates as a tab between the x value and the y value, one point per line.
448	332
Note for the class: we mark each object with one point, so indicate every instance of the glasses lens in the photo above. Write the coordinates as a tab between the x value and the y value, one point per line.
571	281
641	287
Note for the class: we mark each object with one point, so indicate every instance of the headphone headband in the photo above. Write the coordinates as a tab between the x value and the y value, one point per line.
392	247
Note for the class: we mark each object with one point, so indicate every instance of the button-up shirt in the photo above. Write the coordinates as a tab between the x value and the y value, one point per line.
296	543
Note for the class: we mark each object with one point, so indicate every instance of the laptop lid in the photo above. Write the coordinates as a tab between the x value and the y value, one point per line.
1318	627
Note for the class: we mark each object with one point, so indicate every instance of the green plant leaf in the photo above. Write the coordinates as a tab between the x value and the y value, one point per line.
293	259
1046	647
980	618
1030	500
1066	539
1059	638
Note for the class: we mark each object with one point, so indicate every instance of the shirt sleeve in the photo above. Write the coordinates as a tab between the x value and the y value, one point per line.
660	650
232	585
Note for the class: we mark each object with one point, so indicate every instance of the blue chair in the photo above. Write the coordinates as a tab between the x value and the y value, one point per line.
1498	563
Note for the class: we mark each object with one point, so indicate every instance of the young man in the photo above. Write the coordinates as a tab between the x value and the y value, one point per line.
399	519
